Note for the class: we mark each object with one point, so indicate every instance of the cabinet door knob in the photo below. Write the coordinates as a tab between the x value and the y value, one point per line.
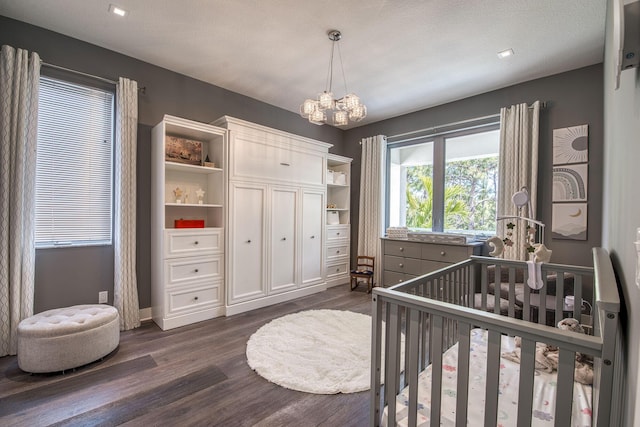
443	253
313	237
195	243
285	164
196	270
248	241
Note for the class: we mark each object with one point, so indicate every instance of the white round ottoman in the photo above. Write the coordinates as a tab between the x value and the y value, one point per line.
65	338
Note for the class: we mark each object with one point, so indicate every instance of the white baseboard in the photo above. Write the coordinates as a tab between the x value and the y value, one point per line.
145	314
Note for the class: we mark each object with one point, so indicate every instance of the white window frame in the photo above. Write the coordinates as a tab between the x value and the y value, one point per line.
74	181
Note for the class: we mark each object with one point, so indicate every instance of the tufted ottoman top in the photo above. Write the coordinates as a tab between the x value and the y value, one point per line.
68	320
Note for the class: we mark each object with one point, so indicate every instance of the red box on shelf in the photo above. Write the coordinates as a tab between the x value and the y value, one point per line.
189	223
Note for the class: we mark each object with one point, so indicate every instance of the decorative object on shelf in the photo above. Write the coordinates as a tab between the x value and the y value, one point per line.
189	223
331	206
208	163
327	109
340	178
181	150
200	195
329	176
333	218
178	193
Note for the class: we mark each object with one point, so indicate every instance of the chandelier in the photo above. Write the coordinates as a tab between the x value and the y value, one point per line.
327	109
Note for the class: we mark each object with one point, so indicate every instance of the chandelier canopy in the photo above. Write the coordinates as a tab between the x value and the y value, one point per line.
326	108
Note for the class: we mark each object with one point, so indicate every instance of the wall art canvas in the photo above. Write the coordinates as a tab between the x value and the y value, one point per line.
571	145
569	221
570	183
182	150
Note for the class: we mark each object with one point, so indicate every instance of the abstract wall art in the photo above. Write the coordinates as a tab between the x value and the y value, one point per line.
569	221
571	145
570	183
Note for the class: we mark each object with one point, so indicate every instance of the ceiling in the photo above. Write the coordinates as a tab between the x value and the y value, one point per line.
399	56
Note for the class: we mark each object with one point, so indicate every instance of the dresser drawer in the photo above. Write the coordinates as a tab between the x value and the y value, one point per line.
392	278
445	253
428	266
194	298
403	265
335	252
337	269
337	232
193	242
181	271
404	249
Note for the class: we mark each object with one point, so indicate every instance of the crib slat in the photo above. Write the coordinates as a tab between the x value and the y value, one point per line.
483	288
462	398
392	359
526	309
564	400
512	292
376	354
577	292
559	296
542	304
493	378
424	348
525	386
497	285
436	370
412	365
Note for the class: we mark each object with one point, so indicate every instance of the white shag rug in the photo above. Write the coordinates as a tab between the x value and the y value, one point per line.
315	351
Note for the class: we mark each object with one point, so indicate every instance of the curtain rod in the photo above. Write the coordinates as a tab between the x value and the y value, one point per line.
543	105
142	89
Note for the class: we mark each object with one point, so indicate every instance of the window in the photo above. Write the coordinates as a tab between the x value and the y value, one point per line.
74	165
445	182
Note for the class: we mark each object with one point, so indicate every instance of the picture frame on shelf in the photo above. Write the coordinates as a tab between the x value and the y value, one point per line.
182	150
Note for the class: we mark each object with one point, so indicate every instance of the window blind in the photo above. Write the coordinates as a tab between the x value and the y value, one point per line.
74	171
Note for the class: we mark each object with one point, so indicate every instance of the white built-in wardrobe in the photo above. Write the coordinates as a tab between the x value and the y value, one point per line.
276	216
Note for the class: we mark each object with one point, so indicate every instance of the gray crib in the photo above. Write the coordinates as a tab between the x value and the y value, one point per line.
417	321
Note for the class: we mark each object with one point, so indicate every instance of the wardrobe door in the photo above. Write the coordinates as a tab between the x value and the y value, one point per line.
313	207
247	239
282	246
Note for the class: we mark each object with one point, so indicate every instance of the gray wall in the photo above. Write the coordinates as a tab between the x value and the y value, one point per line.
573	98
622	205
66	276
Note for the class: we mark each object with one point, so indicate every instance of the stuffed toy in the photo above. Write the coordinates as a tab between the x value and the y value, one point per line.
547	357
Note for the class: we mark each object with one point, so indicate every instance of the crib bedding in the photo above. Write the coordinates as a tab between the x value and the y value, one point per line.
543	407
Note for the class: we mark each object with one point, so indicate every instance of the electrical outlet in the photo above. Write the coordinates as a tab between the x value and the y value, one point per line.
103	297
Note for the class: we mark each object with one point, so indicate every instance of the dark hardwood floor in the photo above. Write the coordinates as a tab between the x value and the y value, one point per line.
196	375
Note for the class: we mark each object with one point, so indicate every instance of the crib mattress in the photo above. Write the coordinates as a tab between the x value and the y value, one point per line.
544	393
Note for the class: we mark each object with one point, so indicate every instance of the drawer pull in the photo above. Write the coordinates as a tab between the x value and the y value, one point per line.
443	253
195	298
285	164
401	249
196	270
338	270
248	241
401	265
337	252
195	243
284	238
313	237
338	233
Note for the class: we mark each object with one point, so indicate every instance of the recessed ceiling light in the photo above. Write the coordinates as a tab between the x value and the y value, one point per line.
505	53
117	10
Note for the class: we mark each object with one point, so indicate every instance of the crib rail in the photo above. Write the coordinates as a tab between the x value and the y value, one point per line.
416	321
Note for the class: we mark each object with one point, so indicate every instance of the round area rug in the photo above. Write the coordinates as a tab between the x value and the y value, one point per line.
315	351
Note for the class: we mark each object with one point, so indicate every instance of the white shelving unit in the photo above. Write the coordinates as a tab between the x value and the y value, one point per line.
337	244
187	264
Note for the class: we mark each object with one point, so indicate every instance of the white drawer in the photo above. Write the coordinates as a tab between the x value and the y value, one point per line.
181	271
337	232
253	158
337	269
336	252
193	242
194	298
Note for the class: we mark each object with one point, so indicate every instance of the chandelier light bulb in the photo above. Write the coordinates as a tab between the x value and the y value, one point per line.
307	108
325	100
318	117
340	118
358	113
